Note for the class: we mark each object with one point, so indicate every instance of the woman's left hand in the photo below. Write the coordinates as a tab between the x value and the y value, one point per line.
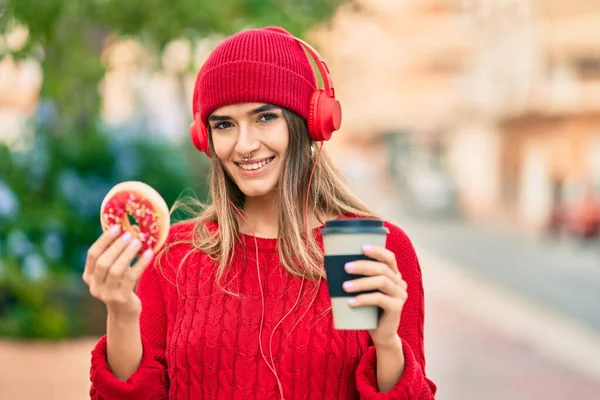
381	274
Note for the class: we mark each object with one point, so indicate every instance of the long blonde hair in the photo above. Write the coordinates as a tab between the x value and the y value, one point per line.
299	255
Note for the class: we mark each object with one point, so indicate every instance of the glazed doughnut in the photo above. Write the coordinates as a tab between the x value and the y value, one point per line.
145	205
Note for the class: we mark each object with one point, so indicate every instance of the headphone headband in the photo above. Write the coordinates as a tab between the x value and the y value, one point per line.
321	65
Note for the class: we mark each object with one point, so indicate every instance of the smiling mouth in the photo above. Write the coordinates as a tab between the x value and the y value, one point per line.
255	166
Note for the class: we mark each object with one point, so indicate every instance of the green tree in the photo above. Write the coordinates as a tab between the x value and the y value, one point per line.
67	36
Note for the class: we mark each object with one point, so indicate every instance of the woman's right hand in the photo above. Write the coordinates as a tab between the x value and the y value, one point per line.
110	276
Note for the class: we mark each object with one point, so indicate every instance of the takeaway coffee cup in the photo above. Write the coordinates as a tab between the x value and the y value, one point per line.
343	240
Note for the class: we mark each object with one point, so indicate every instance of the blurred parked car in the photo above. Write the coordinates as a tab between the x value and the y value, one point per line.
578	217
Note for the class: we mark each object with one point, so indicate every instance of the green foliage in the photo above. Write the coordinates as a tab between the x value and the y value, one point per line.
50	214
68	35
162	20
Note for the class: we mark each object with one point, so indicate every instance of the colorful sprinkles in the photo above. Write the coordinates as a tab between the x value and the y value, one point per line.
126	203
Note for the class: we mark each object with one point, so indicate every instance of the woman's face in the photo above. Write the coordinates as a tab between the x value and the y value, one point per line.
256	129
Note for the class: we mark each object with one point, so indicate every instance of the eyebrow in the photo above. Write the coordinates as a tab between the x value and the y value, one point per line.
258	110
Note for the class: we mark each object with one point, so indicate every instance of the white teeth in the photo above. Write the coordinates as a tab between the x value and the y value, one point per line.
252	167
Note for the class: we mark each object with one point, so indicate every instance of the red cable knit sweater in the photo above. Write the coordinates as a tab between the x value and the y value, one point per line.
201	343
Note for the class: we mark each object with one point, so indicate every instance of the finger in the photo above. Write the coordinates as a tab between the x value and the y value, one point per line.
134	273
96	250
117	272
387	303
381	254
372	268
107	259
379	282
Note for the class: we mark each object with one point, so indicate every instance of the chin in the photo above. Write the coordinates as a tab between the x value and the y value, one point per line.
253	191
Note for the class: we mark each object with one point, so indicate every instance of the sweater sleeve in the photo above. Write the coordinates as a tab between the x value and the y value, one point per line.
150	381
413	384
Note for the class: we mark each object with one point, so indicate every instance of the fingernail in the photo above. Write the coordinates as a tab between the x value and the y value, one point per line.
126	236
147	253
114	229
136	243
352	301
367	248
348	285
349	267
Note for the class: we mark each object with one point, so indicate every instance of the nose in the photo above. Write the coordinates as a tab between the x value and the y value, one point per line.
247	141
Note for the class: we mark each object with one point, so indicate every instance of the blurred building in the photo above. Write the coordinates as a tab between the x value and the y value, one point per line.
501	96
396	64
398	67
530	135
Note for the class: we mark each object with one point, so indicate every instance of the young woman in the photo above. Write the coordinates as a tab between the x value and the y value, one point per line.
235	305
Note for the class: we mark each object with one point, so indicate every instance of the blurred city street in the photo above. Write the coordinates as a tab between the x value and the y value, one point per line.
472	125
507	316
563	276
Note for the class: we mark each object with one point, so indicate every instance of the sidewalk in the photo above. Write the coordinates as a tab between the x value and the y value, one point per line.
562	276
45	371
472	360
483	342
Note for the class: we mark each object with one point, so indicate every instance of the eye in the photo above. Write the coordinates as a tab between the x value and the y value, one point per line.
267	117
222	125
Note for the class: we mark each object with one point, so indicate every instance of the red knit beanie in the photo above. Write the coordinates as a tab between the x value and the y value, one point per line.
258	65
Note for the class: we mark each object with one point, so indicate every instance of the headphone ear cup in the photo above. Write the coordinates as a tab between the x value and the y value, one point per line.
324	116
199	135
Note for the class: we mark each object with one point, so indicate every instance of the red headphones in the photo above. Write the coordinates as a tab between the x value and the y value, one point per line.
324	111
